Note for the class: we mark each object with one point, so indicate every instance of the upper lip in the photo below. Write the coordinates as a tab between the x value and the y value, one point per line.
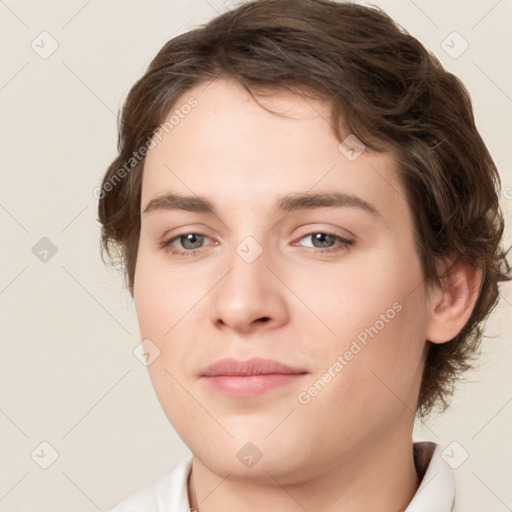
255	366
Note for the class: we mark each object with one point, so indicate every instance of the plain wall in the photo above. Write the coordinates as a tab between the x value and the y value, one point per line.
68	376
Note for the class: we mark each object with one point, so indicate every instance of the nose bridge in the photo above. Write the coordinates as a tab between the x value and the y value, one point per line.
248	294
247	281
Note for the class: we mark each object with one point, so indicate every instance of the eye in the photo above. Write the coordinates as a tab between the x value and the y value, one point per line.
326	242
190	243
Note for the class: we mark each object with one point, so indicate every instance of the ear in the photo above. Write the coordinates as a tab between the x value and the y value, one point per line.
451	305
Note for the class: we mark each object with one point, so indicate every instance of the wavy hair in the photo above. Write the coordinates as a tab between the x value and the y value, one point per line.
393	94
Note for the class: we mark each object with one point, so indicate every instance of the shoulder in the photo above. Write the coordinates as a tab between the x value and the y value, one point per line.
167	493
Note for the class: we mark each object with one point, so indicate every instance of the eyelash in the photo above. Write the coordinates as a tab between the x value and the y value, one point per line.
343	244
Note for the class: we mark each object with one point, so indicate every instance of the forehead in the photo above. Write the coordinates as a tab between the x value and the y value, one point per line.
229	148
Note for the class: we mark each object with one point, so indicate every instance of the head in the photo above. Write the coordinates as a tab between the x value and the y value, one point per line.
249	112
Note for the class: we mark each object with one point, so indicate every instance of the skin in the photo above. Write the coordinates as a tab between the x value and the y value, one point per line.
354	436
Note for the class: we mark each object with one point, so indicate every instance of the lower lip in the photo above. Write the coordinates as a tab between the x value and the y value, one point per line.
250	385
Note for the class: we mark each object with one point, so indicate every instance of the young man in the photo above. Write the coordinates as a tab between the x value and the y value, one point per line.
310	228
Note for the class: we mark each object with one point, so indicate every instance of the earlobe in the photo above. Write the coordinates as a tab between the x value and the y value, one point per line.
452	305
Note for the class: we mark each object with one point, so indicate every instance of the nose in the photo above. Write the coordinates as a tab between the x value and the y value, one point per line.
249	297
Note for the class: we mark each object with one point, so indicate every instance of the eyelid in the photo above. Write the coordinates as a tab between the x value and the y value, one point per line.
335	231
198	229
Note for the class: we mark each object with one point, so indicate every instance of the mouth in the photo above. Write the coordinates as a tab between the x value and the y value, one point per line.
249	378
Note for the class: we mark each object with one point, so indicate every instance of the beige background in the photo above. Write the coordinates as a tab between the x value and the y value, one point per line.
68	376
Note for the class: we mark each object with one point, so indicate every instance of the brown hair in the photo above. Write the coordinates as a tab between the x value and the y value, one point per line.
393	95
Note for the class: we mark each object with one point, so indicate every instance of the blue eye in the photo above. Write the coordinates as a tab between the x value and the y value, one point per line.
326	242
189	241
321	242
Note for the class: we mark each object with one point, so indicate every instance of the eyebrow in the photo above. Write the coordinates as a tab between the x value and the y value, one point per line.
285	204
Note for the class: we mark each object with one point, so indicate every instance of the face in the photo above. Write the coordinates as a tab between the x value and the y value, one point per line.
330	286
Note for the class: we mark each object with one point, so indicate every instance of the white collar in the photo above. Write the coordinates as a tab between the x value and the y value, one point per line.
437	488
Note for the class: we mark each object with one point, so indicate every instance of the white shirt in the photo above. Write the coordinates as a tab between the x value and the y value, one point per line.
436	492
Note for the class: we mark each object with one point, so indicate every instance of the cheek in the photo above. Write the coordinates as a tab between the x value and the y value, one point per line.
347	301
371	385
164	308
385	365
159	303
377	324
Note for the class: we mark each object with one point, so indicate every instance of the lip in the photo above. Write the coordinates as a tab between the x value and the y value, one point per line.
249	378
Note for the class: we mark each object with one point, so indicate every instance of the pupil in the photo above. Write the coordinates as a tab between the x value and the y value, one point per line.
321	237
193	239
